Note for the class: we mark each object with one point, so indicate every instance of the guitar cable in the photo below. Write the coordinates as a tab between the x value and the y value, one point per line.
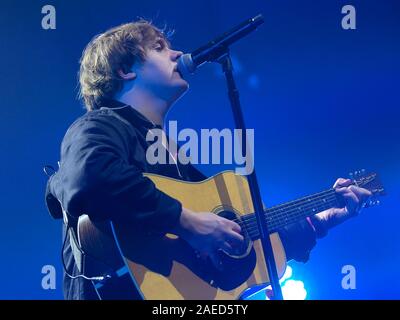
95	278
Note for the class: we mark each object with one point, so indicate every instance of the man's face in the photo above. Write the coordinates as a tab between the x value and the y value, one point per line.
158	73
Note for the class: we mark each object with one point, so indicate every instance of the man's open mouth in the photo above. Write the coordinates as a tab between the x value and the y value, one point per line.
177	71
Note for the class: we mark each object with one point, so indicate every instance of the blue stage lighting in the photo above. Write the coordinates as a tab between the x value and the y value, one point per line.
291	289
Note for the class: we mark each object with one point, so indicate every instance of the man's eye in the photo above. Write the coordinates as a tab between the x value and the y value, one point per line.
159	46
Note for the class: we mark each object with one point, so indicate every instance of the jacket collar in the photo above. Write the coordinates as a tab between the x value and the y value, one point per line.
129	113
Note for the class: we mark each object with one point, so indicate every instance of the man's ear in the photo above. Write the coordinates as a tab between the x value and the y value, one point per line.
130	75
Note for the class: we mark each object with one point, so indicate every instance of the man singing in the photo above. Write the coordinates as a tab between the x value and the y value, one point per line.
128	82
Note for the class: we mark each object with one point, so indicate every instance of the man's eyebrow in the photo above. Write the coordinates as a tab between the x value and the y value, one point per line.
164	41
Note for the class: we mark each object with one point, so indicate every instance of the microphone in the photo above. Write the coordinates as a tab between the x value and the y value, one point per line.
188	63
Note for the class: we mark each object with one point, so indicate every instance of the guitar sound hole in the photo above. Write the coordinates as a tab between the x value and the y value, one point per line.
242	250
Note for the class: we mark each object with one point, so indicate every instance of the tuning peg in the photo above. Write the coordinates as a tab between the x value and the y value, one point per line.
372	203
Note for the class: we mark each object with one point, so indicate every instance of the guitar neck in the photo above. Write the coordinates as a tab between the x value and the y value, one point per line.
285	214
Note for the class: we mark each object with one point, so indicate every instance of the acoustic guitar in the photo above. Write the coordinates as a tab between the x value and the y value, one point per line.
136	265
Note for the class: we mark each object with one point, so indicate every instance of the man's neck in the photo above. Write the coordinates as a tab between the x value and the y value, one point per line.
153	108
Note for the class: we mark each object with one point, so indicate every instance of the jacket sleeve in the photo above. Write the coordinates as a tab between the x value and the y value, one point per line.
95	178
298	239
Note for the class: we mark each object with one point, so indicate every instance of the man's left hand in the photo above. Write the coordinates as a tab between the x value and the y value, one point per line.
354	197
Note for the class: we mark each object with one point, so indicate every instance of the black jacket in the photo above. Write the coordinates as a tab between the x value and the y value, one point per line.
103	156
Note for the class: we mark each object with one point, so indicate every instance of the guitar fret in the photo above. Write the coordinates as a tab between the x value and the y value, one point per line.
291	212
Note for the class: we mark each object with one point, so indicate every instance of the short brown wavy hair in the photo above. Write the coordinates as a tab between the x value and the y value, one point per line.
116	49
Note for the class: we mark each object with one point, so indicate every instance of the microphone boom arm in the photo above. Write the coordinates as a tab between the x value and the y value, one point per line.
216	48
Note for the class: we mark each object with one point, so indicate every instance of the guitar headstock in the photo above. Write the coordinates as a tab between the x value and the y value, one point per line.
371	182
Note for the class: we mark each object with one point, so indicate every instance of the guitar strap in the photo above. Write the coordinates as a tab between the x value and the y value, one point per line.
70	224
57	212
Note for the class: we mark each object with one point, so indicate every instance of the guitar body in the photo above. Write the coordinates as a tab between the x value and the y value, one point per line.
166	267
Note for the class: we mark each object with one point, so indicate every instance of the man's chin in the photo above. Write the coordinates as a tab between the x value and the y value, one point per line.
181	90
185	86
182	86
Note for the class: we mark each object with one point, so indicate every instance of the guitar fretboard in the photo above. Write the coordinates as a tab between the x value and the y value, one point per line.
290	212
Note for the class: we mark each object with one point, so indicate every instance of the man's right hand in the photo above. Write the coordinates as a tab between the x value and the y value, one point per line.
207	233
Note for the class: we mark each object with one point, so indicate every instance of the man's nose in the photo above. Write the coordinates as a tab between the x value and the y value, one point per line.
176	54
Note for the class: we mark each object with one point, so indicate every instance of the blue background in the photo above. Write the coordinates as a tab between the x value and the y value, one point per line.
323	102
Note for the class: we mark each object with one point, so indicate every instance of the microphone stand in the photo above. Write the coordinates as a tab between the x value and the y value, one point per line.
225	60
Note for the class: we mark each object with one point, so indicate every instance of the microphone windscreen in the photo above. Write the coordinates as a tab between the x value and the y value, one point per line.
186	65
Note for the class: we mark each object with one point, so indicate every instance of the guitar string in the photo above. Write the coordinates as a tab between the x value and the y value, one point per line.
277	213
292	204
280	215
250	223
286	216
251	228
287	213
295	202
